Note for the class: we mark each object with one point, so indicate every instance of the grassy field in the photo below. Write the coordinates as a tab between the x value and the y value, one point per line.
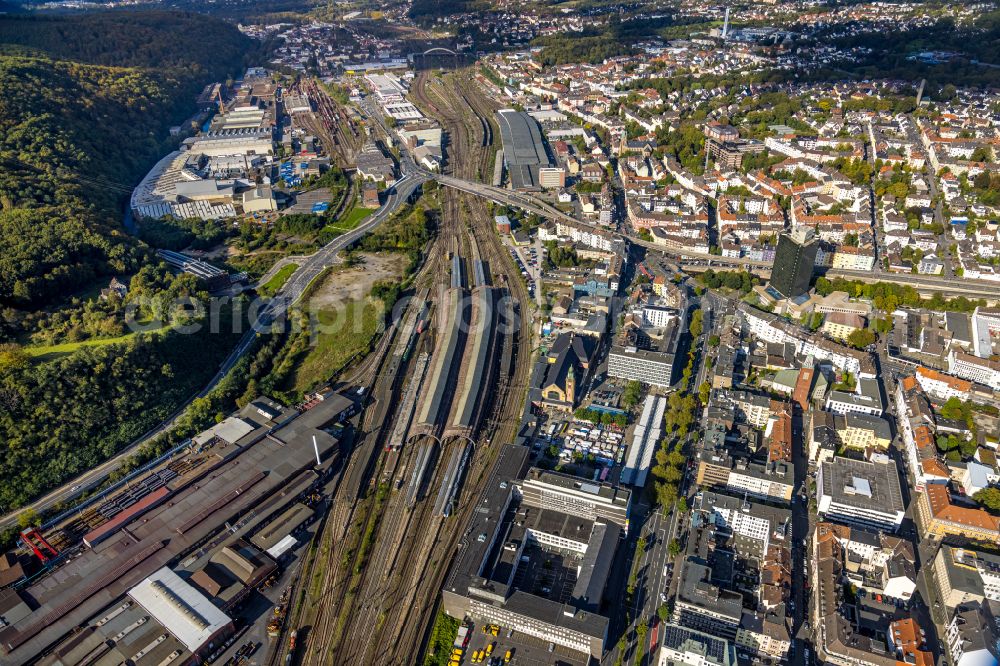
277	281
52	352
350	221
344	330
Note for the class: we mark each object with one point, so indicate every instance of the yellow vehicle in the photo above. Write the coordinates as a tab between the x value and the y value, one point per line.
476	656
489	648
494	630
454	662
457	653
506	657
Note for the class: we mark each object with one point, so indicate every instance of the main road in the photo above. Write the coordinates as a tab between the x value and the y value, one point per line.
269	312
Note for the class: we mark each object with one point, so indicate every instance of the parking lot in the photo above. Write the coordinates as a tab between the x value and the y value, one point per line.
525	650
528	260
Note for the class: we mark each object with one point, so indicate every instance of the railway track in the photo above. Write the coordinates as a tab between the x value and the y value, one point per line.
464	124
376	603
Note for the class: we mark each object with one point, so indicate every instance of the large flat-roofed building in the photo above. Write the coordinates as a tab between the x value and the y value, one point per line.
248	141
230	482
523	149
705	606
162	620
188	615
570	494
516	539
861	492
646	354
387	87
686	647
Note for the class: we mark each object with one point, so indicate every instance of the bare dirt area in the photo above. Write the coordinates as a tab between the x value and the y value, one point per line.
354	283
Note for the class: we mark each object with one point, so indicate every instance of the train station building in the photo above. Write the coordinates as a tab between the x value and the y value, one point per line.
538	556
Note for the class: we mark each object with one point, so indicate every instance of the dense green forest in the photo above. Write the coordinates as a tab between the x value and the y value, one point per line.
890	52
85	108
62	417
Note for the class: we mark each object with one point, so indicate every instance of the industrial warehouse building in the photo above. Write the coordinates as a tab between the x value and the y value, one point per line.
523	149
572	526
249	469
162	620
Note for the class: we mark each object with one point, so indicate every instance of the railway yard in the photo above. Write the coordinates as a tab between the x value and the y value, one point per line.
335	125
360	494
452	383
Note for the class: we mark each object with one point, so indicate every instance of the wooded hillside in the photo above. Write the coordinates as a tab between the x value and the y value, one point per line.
86	102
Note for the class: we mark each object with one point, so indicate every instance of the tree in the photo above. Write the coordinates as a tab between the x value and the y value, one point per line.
12	357
989	498
704	392
956	410
663	612
674	549
640	632
714	340
27	518
631	394
861	338
696	327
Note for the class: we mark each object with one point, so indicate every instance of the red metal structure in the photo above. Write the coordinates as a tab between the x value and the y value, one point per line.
34	539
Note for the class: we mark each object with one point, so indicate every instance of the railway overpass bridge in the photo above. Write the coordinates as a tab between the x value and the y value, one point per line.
926	284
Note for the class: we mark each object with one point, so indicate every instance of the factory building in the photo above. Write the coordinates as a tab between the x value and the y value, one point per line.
249	141
237	482
162	620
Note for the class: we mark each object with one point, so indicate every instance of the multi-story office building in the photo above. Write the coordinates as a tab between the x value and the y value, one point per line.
793	262
861	492
963	575
573	495
681	646
526	527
